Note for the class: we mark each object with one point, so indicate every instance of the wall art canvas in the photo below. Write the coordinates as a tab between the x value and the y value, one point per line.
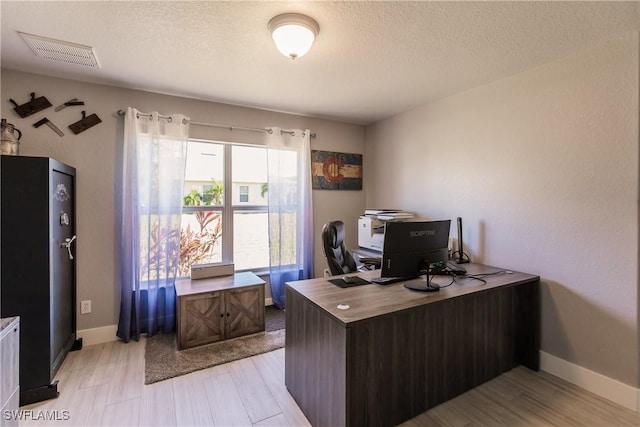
336	171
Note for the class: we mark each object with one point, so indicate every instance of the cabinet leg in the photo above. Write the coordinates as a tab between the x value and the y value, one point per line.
77	345
39	394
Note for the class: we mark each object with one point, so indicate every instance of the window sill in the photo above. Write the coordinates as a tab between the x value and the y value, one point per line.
257	272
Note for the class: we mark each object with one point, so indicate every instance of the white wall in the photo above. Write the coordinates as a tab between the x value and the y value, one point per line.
96	155
543	168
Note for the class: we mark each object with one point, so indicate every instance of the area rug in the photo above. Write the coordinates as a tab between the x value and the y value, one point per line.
163	360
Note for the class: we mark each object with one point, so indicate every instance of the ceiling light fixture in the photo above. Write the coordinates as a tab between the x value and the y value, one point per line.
293	33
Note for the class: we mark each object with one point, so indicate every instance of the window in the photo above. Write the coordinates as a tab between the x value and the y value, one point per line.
207	193
225	211
244	194
201	236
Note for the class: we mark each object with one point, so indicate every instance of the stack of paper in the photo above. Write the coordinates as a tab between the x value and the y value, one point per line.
376	212
388	214
395	216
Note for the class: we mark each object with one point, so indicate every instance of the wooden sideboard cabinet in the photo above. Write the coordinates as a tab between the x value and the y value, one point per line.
9	370
219	308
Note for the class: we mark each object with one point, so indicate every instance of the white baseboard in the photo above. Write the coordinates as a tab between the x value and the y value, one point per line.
108	333
608	388
98	335
620	393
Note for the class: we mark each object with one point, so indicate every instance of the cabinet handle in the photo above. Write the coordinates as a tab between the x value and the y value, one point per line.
228	314
67	244
222	315
64	218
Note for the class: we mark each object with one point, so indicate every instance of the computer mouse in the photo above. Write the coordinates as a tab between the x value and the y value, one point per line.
348	279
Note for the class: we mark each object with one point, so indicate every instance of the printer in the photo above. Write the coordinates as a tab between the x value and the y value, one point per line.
371	226
370	233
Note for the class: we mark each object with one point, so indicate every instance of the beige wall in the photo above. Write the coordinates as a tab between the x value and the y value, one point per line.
543	168
96	155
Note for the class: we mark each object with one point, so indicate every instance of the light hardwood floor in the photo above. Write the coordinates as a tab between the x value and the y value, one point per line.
104	385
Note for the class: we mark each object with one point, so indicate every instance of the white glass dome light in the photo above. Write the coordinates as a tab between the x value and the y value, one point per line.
293	33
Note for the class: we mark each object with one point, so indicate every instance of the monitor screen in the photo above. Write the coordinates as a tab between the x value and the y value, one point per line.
411	247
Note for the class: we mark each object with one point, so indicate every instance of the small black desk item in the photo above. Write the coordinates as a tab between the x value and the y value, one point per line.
390	280
349	281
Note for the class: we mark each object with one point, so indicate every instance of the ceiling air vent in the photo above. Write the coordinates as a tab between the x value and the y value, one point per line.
58	50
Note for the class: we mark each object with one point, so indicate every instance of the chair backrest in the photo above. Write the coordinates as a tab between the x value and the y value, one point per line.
338	257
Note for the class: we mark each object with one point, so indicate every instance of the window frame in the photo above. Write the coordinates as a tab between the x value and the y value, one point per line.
228	209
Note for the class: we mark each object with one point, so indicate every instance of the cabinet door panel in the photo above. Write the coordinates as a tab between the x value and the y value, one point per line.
9	363
7	418
202	319
245	311
62	267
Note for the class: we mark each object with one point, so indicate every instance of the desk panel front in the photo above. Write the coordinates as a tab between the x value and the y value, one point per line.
395	352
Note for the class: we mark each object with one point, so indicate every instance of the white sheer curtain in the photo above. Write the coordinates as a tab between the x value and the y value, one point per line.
290	209
154	158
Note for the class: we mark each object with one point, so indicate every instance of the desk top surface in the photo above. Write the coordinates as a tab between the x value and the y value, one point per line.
372	300
188	286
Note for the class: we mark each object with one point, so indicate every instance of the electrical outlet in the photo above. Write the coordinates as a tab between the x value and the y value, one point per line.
85	307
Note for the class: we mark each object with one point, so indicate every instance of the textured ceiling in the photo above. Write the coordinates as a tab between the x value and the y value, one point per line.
370	61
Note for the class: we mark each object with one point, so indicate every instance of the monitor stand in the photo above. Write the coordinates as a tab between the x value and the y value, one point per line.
423	285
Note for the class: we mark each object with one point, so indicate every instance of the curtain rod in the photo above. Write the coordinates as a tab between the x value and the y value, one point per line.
213	125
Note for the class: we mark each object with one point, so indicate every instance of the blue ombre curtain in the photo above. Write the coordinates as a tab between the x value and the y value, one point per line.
290	209
154	159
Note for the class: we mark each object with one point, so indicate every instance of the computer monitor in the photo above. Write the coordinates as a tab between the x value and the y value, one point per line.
411	248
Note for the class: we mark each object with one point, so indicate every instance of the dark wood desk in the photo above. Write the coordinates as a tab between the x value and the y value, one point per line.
395	352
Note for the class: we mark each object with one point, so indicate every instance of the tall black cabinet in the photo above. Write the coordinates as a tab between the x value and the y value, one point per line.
38	266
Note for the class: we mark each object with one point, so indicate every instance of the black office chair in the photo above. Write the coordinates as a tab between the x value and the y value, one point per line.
339	258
